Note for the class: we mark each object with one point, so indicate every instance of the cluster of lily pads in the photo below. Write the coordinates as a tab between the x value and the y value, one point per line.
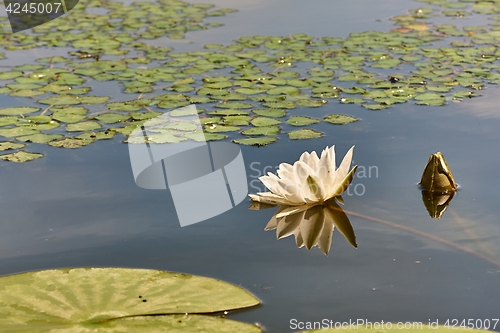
249	91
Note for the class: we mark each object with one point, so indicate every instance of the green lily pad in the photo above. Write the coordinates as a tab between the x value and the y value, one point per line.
18	131
69	115
161	138
70	143
128	299
7	145
97	135
279	105
228	113
10	75
339	119
428	96
26	93
94	99
305	133
39	138
260	141
83	126
61	100
112	118
249	91
311	103
7	121
219	128
353	100
264	121
234	120
301	121
286	90
275	113
234	105
201	136
376	107
38	119
18	110
263	130
20	156
145	115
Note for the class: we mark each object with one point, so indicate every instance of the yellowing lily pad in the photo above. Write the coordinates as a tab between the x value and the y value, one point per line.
261	141
70	143
340	119
20	156
305	133
7	145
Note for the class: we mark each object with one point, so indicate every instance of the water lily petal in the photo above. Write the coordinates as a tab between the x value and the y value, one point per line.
343	170
269	198
345	183
291	191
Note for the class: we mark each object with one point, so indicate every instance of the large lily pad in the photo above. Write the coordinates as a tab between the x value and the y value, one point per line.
305	133
19	157
85	299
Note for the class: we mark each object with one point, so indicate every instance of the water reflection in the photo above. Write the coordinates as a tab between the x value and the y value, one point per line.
311	225
438	185
436	203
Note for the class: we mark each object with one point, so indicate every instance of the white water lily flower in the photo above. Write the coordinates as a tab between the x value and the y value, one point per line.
310	181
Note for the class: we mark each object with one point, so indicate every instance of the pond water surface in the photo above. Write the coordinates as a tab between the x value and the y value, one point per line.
81	207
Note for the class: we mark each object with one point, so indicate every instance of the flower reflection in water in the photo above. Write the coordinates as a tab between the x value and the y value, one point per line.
312	226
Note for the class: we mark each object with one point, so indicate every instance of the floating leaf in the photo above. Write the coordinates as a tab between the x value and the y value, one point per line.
233	105
264	121
376	107
83	126
302	121
261	141
263	130
39	138
97	135
112	118
18	110
61	100
305	133
70	143
340	119
216	128
228	113
128	299
7	121
20	156
200	136
311	103
7	145
275	113
17	131
94	99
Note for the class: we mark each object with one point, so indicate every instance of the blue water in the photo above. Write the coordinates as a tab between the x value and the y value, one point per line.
81	207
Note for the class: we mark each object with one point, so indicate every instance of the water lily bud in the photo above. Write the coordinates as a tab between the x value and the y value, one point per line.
437	176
